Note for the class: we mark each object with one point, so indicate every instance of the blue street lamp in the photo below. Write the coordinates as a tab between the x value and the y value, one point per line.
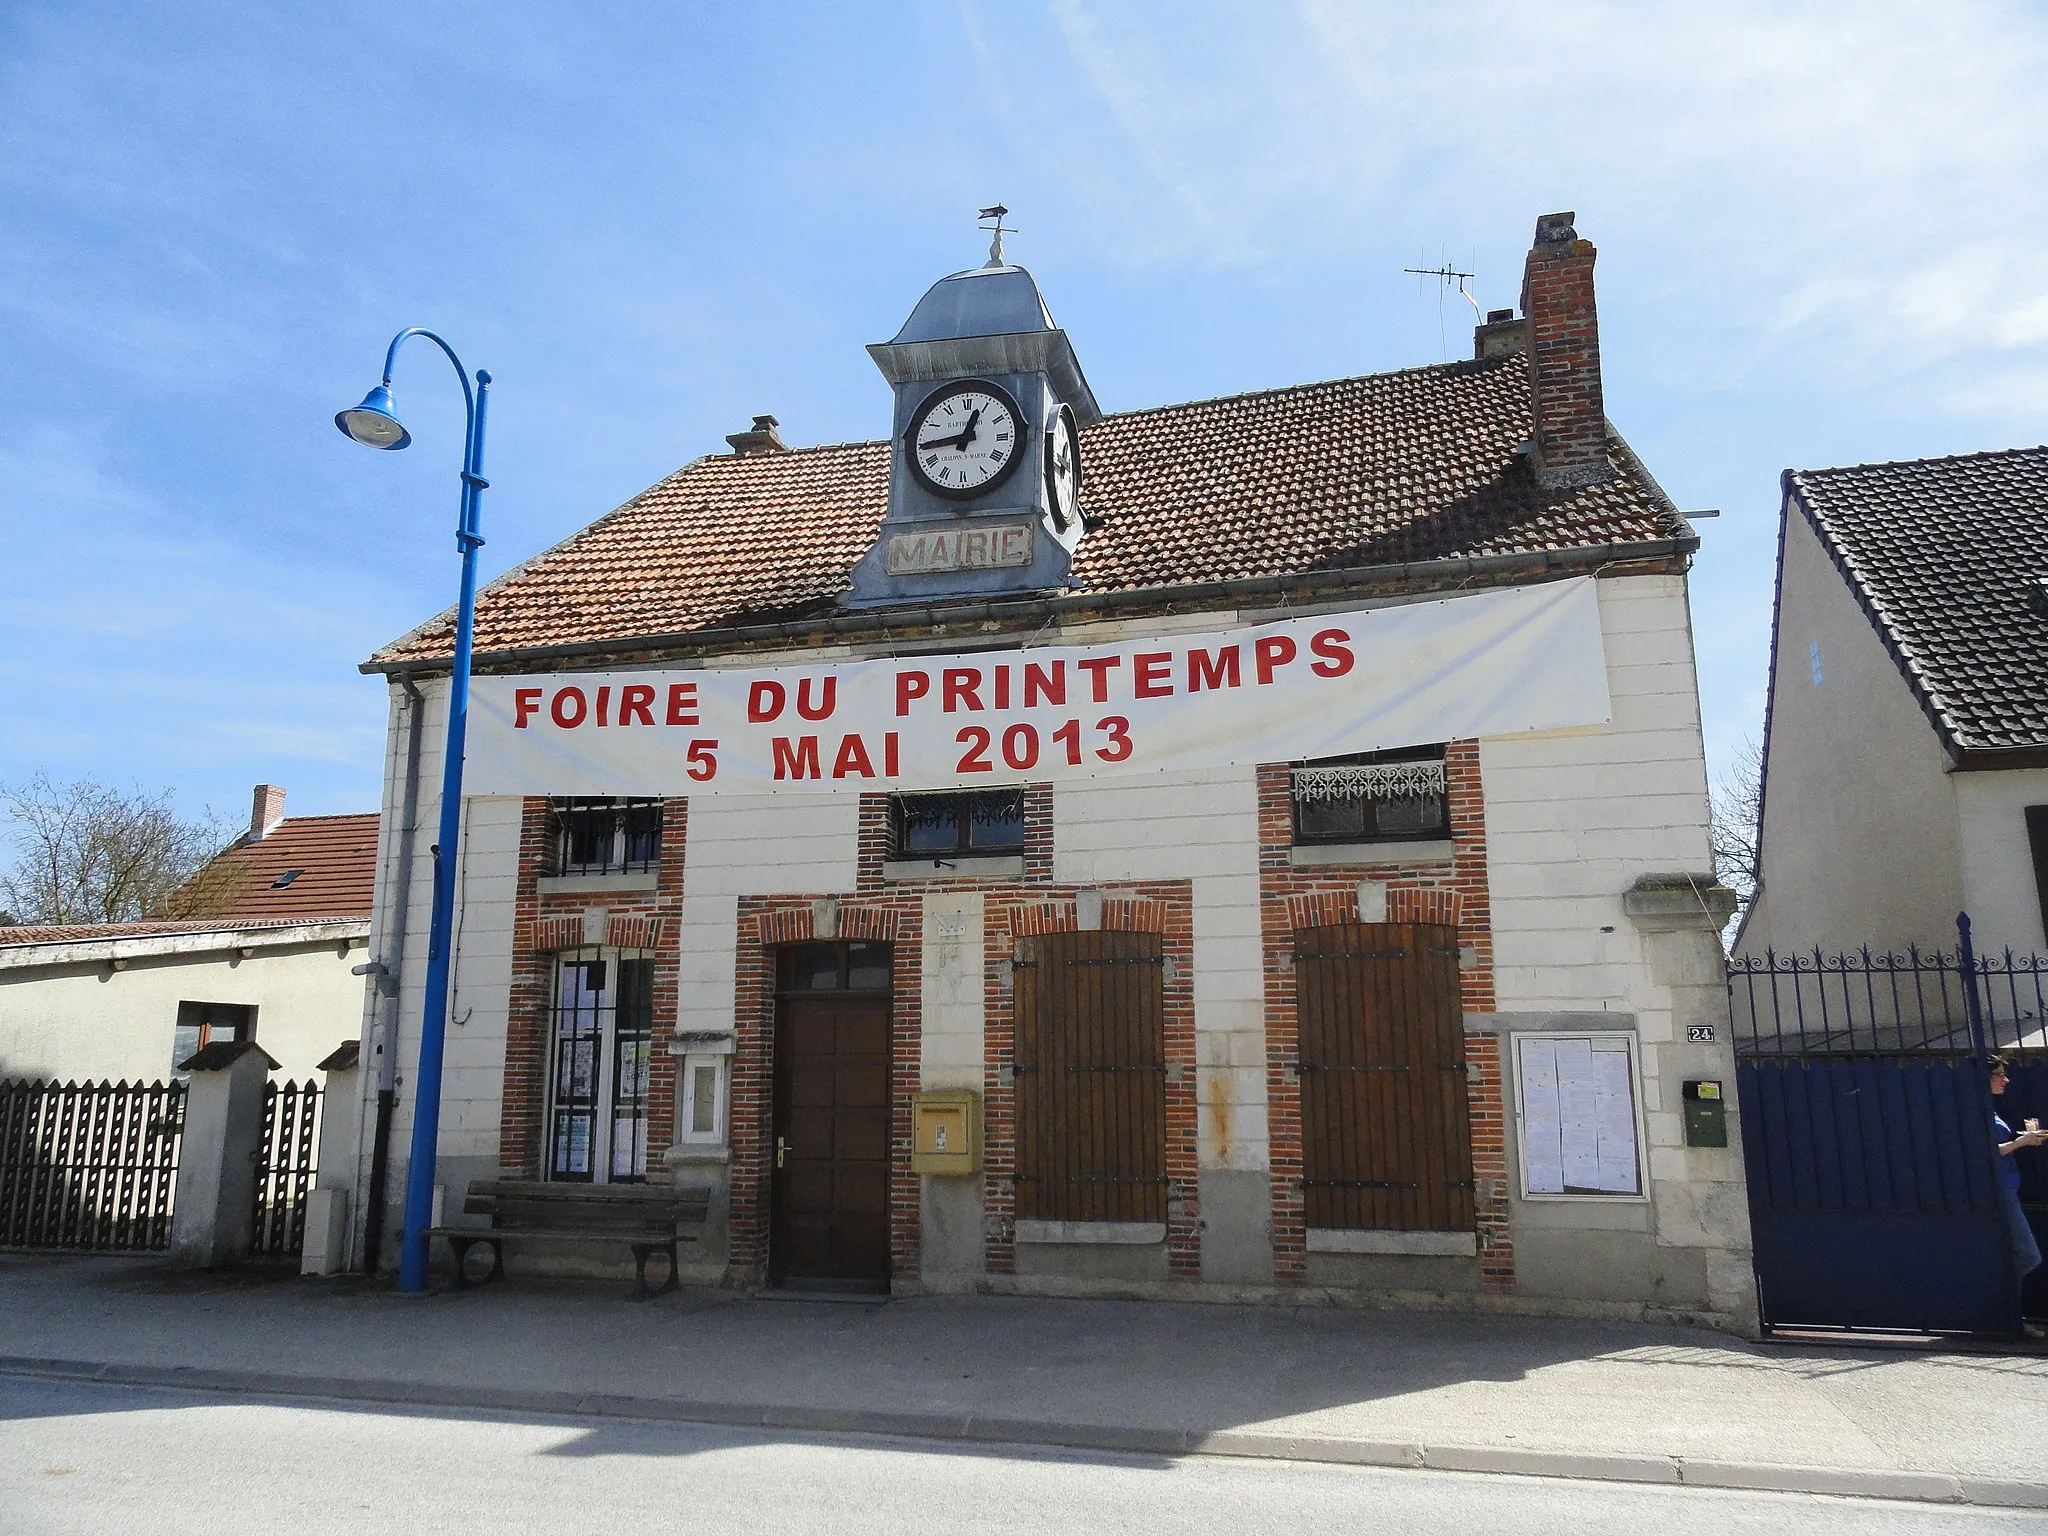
375	424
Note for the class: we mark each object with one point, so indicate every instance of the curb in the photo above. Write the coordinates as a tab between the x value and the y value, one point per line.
1671	1471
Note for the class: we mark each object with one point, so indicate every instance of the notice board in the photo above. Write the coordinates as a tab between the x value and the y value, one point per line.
1578	1113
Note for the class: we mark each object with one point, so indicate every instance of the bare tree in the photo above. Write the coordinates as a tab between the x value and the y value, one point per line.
1735	821
87	853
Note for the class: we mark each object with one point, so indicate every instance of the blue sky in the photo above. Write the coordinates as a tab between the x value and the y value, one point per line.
1820	231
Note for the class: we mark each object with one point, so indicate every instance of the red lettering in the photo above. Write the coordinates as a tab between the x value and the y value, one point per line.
703	760
1002	687
604	704
890	756
1330	645
636	704
765	700
911	685
1218	671
797	761
1069	736
1097	668
559	709
682	703
1038	685
525	702
961	687
975	759
828	688
1272	651
1152	674
852	758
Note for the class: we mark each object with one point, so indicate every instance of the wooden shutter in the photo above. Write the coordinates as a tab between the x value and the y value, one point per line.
1385	1127
1091	1078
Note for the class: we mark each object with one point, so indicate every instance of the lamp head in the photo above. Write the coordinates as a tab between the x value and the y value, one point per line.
375	422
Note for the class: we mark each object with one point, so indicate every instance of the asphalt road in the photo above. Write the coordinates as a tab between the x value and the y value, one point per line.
90	1458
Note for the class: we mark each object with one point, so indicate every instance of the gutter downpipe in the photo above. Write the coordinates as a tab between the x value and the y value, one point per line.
389	974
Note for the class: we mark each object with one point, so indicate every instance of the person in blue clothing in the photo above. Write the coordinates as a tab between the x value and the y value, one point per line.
2026	1251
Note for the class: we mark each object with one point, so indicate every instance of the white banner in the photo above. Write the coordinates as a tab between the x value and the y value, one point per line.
1490	664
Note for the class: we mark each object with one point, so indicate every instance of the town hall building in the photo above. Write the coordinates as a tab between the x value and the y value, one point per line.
1251	849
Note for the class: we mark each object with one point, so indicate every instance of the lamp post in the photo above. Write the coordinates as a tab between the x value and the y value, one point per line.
375	424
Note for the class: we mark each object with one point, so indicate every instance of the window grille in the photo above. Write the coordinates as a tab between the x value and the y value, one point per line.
606	836
1372	797
948	826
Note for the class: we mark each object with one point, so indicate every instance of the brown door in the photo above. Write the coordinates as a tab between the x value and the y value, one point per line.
829	1208
1385	1126
1091	1078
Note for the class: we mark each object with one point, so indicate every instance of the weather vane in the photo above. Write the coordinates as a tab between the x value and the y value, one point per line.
995	246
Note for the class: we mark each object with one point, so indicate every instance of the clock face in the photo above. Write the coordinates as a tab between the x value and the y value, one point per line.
1063	469
965	439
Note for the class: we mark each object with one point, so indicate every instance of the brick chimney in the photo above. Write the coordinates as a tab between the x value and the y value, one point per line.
1568	417
762	439
266	811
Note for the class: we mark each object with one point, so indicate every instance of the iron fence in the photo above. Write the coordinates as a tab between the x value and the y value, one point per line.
89	1166
285	1168
1868	1002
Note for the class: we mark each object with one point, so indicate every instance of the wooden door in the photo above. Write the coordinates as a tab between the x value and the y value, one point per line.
1091	1078
829	1205
1385	1125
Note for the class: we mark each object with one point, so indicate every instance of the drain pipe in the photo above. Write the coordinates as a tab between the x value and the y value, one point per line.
390	971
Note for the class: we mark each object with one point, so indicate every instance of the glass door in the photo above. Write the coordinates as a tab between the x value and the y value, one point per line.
603	1033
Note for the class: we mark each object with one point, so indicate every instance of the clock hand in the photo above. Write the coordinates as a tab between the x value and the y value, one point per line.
960	440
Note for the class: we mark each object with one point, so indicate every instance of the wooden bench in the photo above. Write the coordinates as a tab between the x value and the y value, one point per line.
643	1217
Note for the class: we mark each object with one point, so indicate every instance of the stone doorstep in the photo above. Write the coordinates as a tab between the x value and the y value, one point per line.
1122	1233
1439	1244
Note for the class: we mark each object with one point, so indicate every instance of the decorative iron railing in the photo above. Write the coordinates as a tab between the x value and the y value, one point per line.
89	1166
1867	1002
285	1168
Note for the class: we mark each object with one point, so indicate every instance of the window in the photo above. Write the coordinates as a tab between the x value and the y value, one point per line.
603	1056
947	826
202	1024
1372	797
606	837
829	967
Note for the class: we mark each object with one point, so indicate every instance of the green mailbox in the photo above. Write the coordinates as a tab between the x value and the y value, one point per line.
1706	1113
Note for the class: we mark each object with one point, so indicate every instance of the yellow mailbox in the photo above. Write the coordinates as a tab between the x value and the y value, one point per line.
945	1131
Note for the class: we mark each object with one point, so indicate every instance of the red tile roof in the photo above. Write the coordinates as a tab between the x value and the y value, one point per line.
79	933
336	857
1386	469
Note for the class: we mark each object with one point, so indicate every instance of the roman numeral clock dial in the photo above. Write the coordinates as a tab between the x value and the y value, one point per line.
965	439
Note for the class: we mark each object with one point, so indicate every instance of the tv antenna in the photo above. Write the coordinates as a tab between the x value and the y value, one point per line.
995	246
1445	276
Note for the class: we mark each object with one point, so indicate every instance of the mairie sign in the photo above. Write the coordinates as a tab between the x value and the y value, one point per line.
1489	664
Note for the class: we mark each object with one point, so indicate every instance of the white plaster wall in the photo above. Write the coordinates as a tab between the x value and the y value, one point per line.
480	978
83	1023
751	845
1573	818
1860	836
951	1041
1999	891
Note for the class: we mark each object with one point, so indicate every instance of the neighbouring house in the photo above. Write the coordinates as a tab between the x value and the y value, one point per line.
1253	847
1905	766
270	949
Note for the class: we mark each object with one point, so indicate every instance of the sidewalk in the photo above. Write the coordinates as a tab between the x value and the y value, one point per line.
1526	1395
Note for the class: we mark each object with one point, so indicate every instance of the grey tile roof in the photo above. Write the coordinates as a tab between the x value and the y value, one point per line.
1947	557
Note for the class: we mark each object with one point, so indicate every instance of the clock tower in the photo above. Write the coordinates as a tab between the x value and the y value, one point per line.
984	464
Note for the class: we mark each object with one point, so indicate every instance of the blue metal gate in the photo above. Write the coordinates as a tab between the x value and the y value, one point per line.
1866	1115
